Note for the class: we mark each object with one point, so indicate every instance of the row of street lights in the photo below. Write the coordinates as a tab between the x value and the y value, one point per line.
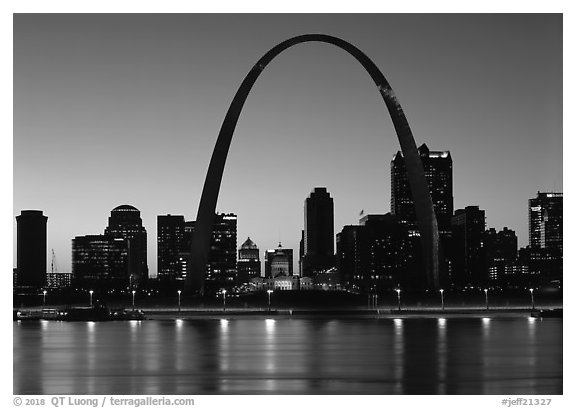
442	298
269	291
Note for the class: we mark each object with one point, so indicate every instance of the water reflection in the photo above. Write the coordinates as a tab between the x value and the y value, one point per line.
372	356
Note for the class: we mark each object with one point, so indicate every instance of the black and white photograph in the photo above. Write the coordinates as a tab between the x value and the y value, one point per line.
252	204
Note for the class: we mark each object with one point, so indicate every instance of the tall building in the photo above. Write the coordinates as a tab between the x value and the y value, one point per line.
545	228
438	170
318	232
545	220
222	269
248	261
100	261
501	249
31	248
375	255
468	227
125	222
171	245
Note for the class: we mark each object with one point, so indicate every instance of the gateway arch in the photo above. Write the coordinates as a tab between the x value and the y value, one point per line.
425	216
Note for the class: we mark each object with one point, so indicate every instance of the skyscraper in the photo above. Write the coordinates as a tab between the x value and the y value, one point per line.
31	248
171	241
545	227
318	232
468	227
222	269
125	222
545	220
438	170
248	261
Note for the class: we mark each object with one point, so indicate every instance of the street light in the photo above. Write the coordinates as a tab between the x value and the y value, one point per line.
376	301
91	292
224	298
133	298
269	293
442	297
398	292
179	291
44	300
532	297
486	293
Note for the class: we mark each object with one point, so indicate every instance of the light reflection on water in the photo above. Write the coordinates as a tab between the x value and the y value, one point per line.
508	355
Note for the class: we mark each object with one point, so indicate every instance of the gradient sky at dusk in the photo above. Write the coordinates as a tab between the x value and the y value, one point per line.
125	109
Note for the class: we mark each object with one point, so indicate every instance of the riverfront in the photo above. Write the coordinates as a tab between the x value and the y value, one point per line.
509	353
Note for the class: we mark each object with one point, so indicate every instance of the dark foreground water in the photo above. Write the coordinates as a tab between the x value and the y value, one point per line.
455	355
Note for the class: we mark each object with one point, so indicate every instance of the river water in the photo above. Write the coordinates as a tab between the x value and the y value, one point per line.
454	355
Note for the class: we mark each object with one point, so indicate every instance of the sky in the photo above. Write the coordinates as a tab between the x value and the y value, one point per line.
112	109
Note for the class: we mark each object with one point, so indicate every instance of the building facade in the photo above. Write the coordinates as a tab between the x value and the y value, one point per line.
125	222
318	239
31	247
468	252
375	256
222	268
278	262
501	249
100	261
171	245
248	261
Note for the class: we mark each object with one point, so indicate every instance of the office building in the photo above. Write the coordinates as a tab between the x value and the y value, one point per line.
222	269
31	248
501	249
125	222
376	255
100	261
248	261
468	228
318	243
171	245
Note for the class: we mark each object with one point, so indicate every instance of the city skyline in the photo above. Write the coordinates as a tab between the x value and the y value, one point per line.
132	104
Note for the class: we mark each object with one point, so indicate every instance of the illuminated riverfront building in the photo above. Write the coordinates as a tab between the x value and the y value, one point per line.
501	249
438	171
100	261
222	269
57	280
171	241
125	222
545	228
248	261
31	248
375	255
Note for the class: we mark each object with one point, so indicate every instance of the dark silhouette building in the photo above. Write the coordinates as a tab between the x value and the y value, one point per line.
438	171
501	249
375	255
31	248
222	269
468	228
318	233
125	222
171	245
100	261
545	228
248	261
